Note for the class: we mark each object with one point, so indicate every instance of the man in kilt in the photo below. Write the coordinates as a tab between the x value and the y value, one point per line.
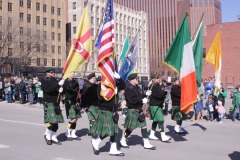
135	101
177	115
90	99
73	109
52	111
107	120
157	97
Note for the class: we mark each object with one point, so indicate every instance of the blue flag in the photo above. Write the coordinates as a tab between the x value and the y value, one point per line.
130	61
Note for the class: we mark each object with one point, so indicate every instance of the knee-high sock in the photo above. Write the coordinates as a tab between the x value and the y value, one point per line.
161	126
154	126
144	133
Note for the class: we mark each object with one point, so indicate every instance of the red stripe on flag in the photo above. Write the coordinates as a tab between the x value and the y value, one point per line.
107	51
86	36
85	54
106	41
111	79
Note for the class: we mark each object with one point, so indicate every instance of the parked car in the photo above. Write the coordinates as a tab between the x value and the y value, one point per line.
233	91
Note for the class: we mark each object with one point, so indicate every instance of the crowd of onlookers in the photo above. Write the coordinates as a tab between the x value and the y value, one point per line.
24	90
29	91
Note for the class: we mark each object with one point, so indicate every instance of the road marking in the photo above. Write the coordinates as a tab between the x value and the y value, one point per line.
3	146
36	124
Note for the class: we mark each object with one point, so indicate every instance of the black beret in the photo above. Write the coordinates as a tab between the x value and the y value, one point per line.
48	70
132	76
175	79
153	76
91	75
99	78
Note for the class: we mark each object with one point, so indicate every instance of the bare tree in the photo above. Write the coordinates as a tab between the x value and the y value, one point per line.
20	46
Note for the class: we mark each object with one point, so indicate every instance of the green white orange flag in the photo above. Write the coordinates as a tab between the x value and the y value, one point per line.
81	49
125	48
197	42
214	56
180	58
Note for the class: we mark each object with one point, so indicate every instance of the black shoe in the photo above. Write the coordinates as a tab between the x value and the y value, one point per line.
152	148
123	146
49	142
96	152
58	143
119	154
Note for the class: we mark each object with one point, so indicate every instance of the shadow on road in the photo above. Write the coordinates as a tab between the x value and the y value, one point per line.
234	156
198	125
80	133
176	137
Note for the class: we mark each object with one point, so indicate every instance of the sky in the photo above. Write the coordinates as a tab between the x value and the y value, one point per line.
230	10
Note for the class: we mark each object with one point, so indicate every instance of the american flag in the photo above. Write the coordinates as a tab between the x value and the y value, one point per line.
105	58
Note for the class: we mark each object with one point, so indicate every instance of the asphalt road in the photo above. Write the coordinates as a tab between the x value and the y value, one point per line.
22	128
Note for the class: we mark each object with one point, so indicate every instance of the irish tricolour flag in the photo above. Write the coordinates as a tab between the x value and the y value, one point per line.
180	58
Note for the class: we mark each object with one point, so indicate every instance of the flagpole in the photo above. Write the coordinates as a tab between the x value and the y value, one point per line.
95	40
132	41
195	33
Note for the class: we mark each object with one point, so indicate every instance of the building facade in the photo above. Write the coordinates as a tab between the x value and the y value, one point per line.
230	44
127	23
36	33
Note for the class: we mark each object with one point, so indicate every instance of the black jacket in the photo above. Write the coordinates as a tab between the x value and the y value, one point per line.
158	95
110	105
133	96
50	89
71	89
176	95
89	94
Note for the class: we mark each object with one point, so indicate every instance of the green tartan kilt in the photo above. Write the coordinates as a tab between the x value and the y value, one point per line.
104	125
131	120
92	113
156	114
177	114
50	115
70	111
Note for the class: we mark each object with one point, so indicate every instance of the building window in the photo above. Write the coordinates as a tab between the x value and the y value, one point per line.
21	3
38	19
0	35
38	6
44	34
29	46
21	16
97	20
59	49
92	20
45	61
29	18
0	20
21	30
74	5
53	36
74	17
53	49
52	10
10	21
22	45
53	62
38	34
29	61
38	61
9	36
9	6
28	4
211	3
59	36
74	29
38	47
44	8
44	48
92	7
44	21
59	11
52	22
59	24
9	51
59	62
0	4
200	3
28	32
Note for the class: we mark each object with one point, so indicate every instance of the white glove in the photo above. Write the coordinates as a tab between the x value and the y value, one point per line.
116	90
116	75
144	100
60	90
61	82
148	93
